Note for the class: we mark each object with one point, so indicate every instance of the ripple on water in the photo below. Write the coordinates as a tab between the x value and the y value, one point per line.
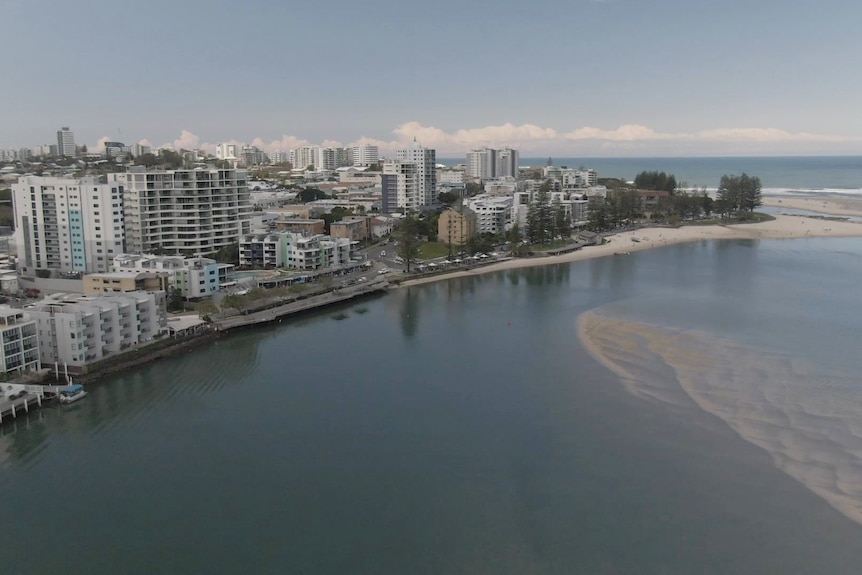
805	416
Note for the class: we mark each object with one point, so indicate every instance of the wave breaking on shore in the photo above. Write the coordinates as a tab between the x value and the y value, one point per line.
805	416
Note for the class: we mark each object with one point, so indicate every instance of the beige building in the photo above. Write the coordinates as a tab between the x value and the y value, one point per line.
125	282
298	226
354	228
457	226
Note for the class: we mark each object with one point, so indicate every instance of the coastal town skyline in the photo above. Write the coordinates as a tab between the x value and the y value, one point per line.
619	78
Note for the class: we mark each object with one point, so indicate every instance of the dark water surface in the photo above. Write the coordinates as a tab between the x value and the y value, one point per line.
451	428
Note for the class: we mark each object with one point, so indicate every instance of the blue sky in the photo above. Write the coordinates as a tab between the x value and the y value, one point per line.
581	78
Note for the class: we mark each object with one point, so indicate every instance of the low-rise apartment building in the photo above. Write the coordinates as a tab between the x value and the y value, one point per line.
294	251
77	329
456	226
121	282
19	340
194	277
493	213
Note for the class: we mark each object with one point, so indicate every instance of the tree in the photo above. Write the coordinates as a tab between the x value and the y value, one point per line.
409	239
228	254
656	181
175	300
311	194
740	193
148	160
447	198
562	224
472	189
171	159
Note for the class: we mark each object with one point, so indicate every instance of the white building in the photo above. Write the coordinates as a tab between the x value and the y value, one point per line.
278	157
450	175
399	186
364	155
225	151
189	212
576	209
194	277
493	213
332	158
76	329
66	143
305	156
295	251
67	225
19	341
488	163
140	149
425	160
576	179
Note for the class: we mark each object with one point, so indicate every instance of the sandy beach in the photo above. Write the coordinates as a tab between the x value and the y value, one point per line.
782	227
830	205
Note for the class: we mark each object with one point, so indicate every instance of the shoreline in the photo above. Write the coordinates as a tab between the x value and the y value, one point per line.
782	227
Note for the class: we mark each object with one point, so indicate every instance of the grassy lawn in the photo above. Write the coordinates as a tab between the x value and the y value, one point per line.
431	250
553	245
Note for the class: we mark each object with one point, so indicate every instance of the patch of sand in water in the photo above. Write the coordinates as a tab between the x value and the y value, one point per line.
806	417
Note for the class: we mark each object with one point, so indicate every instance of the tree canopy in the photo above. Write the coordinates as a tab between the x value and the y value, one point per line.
656	181
409	234
739	193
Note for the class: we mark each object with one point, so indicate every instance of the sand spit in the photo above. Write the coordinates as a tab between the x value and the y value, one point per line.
826	205
618	245
804	416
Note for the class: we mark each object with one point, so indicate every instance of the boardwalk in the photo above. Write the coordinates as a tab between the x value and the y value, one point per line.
273	313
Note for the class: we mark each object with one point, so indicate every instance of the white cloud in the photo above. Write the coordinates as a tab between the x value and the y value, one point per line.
765	135
186	141
462	140
530	138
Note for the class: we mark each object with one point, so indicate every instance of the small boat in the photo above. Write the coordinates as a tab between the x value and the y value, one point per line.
71	393
634	239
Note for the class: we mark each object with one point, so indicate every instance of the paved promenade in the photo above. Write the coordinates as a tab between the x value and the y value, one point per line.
312	302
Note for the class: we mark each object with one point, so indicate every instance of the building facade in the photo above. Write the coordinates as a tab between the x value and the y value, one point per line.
194	277
457	226
493	213
66	143
67	225
364	155
295	251
188	212
425	160
74	330
399	186
19	340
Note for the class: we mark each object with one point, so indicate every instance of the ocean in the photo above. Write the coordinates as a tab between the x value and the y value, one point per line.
796	175
688	409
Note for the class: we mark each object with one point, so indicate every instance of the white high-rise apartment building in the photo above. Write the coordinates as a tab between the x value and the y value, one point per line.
426	172
488	163
66	143
278	157
188	212
364	155
399	185
332	158
481	163
227	151
67	225
507	163
307	156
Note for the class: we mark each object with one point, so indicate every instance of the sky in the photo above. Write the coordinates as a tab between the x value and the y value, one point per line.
588	78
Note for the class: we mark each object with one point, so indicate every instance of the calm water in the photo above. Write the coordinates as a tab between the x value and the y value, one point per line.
458	427
805	174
